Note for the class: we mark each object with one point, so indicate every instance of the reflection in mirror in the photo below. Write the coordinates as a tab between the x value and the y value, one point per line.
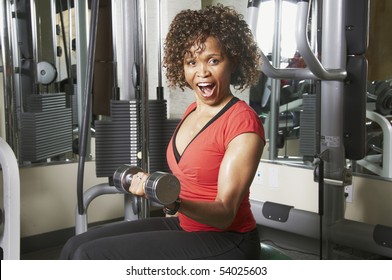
288	108
41	105
378	159
45	114
280	102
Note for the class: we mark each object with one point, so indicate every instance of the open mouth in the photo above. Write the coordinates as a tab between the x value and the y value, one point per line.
207	89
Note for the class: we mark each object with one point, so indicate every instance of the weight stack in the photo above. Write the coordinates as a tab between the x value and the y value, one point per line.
46	127
118	140
160	132
73	103
171	125
156	137
308	125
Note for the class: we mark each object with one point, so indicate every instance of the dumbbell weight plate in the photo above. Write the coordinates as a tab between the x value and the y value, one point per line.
380	86
384	102
121	177
162	187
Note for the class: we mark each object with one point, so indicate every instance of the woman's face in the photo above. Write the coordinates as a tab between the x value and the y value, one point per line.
208	71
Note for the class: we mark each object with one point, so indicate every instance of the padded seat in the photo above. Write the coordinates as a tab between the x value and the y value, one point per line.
269	252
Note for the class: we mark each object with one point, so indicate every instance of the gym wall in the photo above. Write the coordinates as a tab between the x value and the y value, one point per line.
379	53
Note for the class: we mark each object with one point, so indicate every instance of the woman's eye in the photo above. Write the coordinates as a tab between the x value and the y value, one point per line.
214	61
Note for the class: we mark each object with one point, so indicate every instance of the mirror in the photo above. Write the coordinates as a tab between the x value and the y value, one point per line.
42	91
45	47
278	101
288	107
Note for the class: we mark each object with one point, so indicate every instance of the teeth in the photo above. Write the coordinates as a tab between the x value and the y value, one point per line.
206	89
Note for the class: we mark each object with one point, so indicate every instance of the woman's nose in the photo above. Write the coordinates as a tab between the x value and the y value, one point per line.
202	71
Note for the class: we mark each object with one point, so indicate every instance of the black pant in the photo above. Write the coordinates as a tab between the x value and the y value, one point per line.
159	238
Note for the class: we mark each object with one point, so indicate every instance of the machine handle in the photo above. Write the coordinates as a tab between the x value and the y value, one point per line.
315	70
304	49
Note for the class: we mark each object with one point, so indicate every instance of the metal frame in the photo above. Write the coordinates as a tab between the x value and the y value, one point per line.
331	71
380	164
305	223
10	231
10	58
127	93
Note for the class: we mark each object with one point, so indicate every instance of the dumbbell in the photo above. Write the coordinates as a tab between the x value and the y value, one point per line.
384	101
160	187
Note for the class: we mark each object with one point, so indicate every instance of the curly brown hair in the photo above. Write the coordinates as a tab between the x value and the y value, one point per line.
191	27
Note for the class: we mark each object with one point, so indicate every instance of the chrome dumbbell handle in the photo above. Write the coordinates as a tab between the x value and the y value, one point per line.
160	187
122	177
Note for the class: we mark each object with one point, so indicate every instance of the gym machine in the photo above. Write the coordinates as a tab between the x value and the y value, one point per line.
341	71
136	135
10	215
380	163
379	112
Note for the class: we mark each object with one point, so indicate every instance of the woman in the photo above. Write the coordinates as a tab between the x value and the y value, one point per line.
214	152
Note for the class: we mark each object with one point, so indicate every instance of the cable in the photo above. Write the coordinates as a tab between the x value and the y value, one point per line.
87	104
321	203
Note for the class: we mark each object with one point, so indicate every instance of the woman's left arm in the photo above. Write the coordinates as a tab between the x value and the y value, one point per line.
236	174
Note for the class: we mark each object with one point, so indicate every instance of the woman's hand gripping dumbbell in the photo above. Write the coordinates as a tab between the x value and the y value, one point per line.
160	187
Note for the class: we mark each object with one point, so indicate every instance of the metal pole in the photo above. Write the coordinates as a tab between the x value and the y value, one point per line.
159	87
8	75
331	128
144	97
275	87
129	34
81	53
